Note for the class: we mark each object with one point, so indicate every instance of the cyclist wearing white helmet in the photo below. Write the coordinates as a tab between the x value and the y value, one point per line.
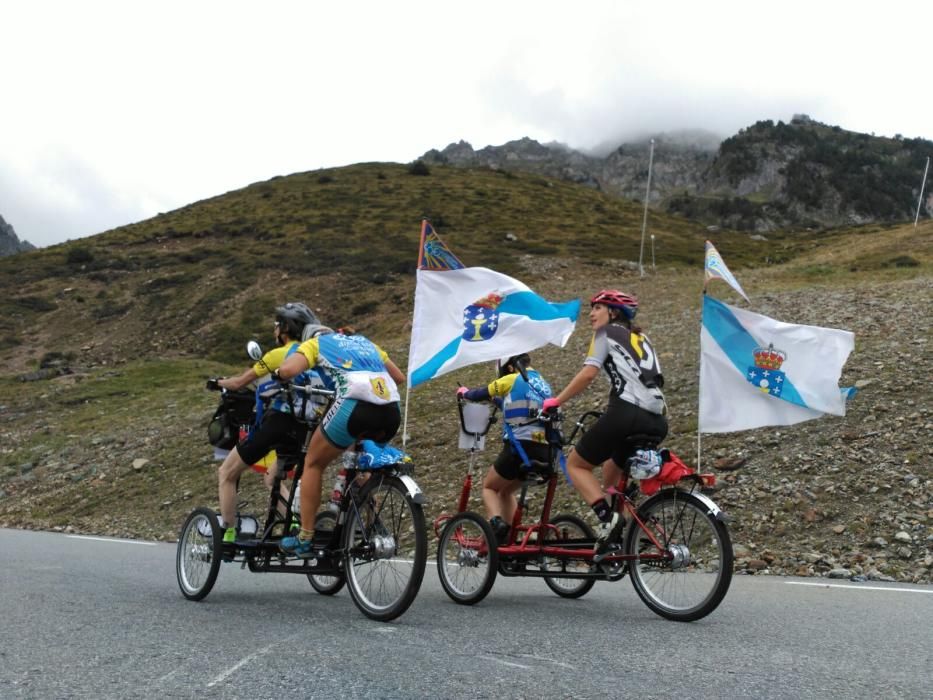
636	403
277	425
520	391
366	406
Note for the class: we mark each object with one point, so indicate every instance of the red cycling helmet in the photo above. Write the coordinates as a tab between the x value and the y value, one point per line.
615	299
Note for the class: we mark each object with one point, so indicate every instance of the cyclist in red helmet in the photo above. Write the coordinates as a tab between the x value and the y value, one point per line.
636	403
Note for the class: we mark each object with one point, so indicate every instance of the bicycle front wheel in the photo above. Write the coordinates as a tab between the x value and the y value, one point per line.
197	559
386	547
326	585
568	528
684	564
467	558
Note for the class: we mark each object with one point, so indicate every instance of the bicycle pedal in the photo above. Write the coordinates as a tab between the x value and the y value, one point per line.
612	549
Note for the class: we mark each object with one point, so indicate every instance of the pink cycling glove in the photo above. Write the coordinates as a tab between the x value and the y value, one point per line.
461	391
550	404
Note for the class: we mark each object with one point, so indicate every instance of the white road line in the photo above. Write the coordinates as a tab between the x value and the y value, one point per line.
242	662
504	663
859	588
111	539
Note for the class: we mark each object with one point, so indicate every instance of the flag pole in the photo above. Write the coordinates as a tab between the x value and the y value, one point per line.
424	223
922	185
644	223
405	420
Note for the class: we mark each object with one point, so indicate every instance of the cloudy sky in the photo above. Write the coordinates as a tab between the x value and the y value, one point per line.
111	112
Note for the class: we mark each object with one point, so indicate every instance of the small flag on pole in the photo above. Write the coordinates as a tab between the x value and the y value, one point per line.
716	269
465	315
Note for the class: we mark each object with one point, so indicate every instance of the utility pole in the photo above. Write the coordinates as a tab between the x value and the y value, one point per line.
644	223
922	184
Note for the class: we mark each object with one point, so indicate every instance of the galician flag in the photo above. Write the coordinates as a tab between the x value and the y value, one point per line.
716	269
755	371
465	315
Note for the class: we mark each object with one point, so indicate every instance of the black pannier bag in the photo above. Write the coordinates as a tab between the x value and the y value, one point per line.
236	408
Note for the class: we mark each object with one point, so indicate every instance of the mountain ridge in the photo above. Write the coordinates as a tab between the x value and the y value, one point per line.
9	241
768	176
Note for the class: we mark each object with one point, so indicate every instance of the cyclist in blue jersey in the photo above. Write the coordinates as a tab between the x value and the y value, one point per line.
366	406
277	426
523	435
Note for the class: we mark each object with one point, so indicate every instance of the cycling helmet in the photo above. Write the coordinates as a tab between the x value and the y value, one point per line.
295	316
614	299
514	360
313	330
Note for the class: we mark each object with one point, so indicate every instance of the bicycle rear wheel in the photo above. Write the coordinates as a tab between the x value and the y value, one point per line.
197	559
386	547
326	585
569	527
467	558
693	574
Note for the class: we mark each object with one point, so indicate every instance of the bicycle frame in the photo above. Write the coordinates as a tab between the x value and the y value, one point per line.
525	547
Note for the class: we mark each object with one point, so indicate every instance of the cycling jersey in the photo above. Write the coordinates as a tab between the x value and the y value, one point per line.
632	365
305	407
351	365
521	401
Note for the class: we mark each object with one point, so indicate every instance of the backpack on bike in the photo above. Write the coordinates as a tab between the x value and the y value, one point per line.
236	408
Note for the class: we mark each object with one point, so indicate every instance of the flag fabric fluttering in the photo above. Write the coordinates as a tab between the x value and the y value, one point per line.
756	371
465	315
716	269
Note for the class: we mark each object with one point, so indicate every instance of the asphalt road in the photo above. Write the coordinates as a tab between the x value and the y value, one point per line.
95	618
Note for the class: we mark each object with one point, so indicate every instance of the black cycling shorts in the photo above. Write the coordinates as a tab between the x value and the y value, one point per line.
278	431
607	436
508	464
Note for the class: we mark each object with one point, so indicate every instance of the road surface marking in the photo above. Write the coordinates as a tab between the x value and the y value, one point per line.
242	662
504	663
860	588
111	539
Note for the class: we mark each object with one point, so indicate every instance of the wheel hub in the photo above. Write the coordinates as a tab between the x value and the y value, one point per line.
383	546
680	555
468	557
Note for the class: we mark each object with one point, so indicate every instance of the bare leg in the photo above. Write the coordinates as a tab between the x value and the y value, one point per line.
581	474
227	475
499	495
320	454
612	472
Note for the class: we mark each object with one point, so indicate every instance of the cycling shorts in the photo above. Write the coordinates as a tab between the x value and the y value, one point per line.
509	465
349	420
607	436
278	431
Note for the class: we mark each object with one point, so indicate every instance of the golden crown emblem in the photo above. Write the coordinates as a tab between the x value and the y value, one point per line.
490	301
769	358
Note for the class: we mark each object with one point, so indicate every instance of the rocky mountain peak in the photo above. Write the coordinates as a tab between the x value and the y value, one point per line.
9	242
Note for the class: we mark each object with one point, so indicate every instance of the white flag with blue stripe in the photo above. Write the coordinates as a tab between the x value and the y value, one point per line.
465	315
755	371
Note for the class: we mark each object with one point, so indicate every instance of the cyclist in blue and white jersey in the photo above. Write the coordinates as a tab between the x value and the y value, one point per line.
523	436
366	406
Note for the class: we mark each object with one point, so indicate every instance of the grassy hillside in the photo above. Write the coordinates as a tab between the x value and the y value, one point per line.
141	315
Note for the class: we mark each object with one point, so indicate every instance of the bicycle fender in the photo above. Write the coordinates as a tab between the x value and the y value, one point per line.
710	504
707	502
413	489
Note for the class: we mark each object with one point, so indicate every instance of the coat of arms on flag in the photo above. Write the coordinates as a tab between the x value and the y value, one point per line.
480	319
767	374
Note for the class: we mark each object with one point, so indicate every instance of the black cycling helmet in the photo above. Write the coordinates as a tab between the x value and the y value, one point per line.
294	316
516	362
